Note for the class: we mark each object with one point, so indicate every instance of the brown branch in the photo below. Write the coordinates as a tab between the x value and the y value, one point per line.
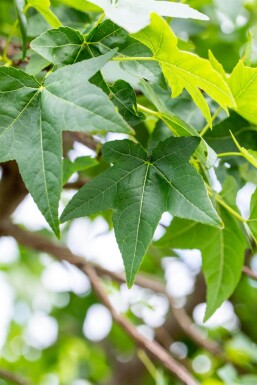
39	243
64	254
149	346
251	274
13	377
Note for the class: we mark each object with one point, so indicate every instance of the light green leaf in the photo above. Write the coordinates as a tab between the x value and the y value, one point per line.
133	15
222	253
43	7
34	115
243	84
80	5
139	189
184	70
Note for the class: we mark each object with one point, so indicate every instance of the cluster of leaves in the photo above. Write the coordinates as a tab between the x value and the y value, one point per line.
62	88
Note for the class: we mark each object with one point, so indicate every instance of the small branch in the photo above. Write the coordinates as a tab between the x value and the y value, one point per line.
251	274
149	346
76	185
39	243
13	377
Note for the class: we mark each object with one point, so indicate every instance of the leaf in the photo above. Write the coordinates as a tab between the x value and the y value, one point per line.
222	253
80	5
133	15
177	126
59	46
81	163
249	155
23	25
139	189
109	36
34	115
243	84
184	70
252	222
124	97
43	7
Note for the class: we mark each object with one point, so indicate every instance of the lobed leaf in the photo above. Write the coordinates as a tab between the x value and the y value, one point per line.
139	189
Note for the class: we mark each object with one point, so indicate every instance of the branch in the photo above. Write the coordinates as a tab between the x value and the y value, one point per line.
39	243
149	346
13	377
251	274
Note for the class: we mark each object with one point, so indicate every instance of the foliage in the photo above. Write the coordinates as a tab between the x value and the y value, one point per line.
178	96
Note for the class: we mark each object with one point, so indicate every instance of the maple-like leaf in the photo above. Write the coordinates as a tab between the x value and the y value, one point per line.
139	188
33	116
222	250
184	70
133	15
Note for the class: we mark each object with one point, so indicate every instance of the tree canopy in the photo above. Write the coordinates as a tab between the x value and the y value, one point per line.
128	201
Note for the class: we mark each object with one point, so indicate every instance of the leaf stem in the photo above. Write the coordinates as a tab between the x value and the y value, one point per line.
225	205
206	128
13	28
148	110
99	21
224	154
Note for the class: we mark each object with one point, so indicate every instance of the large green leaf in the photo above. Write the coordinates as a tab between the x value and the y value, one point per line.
133	15
139	189
222	252
243	84
34	115
184	70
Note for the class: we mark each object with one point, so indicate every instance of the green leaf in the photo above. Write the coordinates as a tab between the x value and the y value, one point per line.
139	189
80	5
222	250
43	7
81	163
34	115
109	36
59	46
184	70
252	222
243	84
133	15
23	25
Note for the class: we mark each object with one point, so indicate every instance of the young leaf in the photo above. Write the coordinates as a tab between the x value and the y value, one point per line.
133	15
184	70
43	7
222	253
139	189
23	25
243	84
81	5
34	115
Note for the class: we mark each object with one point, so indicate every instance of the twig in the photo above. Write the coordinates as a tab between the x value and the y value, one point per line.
13	377
251	274
149	346
39	243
